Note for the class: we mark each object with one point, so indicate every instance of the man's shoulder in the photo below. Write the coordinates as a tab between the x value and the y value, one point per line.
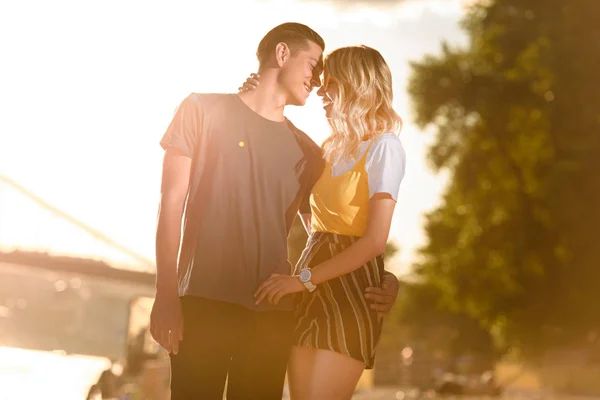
208	100
305	141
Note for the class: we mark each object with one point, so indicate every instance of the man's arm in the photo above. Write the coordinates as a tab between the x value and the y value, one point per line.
166	322
306	218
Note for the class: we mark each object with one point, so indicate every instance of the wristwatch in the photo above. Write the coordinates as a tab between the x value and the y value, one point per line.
305	276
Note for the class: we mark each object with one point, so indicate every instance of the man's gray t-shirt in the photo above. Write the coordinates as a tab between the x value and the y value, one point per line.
249	177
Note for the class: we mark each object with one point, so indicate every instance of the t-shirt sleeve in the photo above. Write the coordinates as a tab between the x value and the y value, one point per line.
315	165
385	166
184	129
305	203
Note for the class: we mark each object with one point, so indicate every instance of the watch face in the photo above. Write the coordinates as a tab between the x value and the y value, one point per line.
305	275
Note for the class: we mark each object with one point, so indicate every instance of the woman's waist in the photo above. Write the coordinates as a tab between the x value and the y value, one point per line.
340	226
332	236
350	220
325	245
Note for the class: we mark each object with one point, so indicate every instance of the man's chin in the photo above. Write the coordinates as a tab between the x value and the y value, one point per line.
298	101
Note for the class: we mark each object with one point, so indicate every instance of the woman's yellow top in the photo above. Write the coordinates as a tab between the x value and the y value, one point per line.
340	204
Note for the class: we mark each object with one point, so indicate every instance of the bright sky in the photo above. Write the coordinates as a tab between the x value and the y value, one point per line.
88	88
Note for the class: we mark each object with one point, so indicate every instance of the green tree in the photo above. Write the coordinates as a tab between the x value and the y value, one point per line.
517	114
436	329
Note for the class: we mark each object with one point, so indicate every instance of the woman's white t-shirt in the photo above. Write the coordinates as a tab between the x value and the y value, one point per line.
385	164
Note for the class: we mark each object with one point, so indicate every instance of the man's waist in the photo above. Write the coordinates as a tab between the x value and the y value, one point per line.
246	302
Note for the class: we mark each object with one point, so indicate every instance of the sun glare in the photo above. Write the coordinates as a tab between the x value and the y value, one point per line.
90	90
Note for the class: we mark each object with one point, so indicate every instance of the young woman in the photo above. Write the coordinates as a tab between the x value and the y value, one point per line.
351	212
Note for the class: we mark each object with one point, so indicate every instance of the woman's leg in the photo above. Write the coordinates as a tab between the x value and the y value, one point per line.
300	367
322	374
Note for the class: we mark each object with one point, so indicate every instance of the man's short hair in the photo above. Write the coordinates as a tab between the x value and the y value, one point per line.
295	35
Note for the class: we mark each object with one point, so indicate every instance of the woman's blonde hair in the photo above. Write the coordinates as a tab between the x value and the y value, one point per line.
362	109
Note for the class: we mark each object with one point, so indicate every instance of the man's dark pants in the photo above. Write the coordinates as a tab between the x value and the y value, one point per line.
227	341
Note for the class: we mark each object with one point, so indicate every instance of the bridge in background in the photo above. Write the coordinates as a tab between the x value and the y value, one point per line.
29	224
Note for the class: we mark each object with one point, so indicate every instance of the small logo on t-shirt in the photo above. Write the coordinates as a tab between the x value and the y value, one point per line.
241	144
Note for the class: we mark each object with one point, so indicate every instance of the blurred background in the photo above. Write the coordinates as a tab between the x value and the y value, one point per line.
495	236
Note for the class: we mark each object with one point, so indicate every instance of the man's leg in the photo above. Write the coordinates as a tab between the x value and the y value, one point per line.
259	364
199	370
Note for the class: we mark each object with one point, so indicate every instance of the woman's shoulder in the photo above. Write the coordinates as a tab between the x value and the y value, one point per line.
388	144
388	139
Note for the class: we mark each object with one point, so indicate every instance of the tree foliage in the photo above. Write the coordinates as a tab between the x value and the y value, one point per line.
517	112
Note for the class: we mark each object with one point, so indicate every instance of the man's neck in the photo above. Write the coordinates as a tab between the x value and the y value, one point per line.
267	100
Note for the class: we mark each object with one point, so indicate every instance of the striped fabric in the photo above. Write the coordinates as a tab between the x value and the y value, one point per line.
336	316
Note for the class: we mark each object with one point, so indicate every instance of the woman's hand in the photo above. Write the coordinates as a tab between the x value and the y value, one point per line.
276	287
251	83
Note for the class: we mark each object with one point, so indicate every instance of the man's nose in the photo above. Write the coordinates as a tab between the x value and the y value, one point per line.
315	81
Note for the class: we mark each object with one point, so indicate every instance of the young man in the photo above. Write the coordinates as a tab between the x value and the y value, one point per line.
241	171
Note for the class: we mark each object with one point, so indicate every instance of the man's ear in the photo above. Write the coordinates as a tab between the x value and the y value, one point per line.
282	53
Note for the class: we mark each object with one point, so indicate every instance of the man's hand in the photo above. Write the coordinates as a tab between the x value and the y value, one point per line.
385	296
166	321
